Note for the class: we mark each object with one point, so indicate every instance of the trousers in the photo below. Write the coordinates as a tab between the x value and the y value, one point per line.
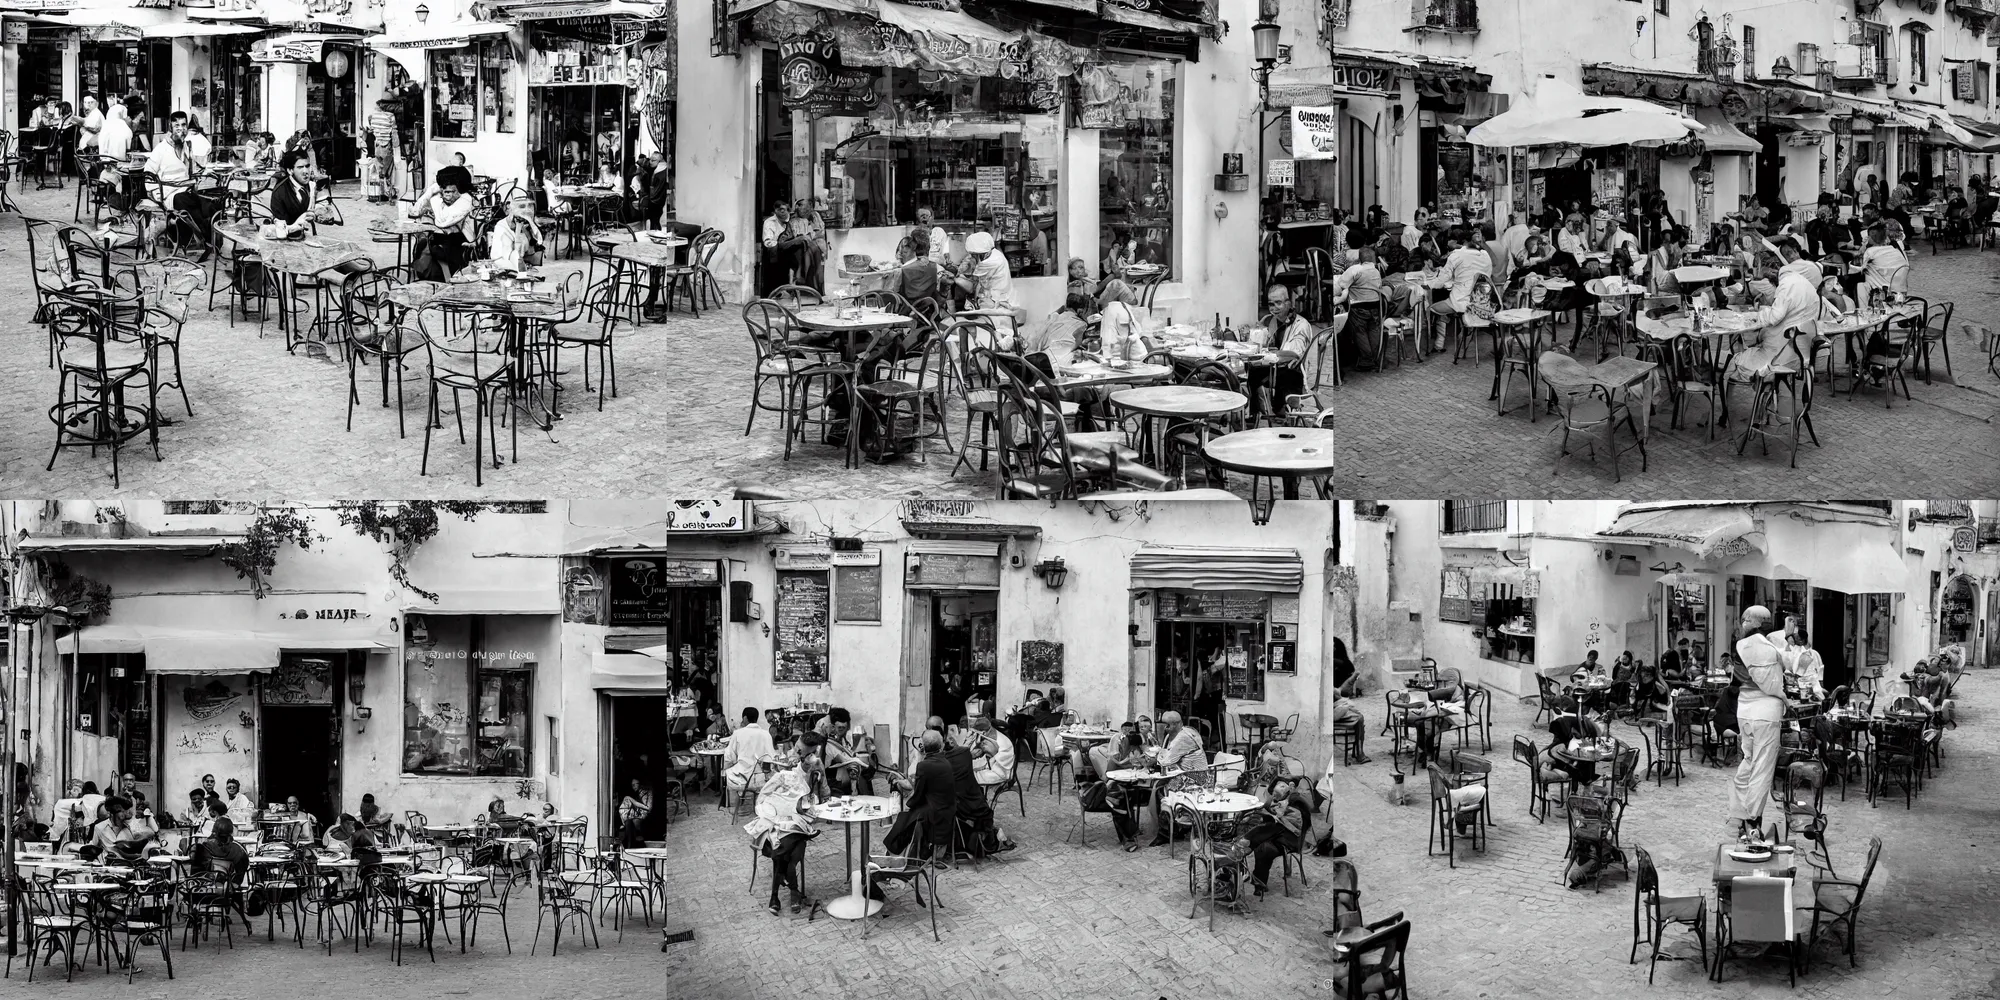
1751	788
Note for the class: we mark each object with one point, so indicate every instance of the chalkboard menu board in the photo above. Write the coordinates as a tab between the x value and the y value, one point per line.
139	744
801	628
1041	661
639	586
1242	606
857	593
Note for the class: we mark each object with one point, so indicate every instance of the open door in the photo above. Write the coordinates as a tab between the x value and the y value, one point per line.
917	617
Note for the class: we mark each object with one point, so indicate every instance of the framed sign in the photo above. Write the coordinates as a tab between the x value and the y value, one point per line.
801	629
1041	661
857	593
299	680
1282	657
639	585
1315	133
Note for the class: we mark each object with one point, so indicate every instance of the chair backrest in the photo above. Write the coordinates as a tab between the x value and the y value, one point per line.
1647	884
794	296
1867	873
1470	763
1440	785
770	324
1382	953
1760	909
1524	751
701	253
1212	374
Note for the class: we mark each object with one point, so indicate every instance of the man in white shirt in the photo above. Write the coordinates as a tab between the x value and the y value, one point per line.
1760	718
1291	335
93	125
1615	236
748	744
1884	267
985	274
1361	282
940	246
992	752
781	247
1180	750
1462	269
177	162
1571	238
242	811
1796	306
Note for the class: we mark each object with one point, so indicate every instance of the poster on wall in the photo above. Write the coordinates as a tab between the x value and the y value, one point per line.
1315	133
299	680
1280	173
813	81
1455	603
1041	662
1282	657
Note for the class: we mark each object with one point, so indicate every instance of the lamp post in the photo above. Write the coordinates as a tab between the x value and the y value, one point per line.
22	619
1264	50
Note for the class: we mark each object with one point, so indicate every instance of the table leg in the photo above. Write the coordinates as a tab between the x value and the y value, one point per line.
856	905
1291	487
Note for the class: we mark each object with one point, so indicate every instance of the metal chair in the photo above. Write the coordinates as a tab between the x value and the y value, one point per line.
1653	912
1589	408
1935	330
469	351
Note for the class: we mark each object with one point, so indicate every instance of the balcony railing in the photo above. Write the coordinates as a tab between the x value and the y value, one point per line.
1461	516
1444	15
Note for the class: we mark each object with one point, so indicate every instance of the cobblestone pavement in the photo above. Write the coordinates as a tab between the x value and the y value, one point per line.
1057	920
271	423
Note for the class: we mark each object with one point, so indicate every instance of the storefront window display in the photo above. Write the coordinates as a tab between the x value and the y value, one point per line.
455	92
235	90
464	711
1136	163
582	92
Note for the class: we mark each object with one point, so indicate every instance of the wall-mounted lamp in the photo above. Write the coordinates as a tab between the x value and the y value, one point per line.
1052	572
423	13
1782	69
357	689
1261	507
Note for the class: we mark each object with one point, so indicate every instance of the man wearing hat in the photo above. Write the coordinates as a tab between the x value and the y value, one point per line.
984	275
1760	717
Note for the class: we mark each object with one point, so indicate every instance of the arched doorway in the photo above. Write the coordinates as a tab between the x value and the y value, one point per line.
1958	612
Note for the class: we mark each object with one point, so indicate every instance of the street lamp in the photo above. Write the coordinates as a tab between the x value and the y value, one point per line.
423	13
1264	49
23	618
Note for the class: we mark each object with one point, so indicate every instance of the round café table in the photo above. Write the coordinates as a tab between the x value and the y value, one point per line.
1286	453
854	326
653	252
1192	403
856	810
289	259
1258	724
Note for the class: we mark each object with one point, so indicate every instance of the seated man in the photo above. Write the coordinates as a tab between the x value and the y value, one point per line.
750	743
930	797
122	836
1347	713
450	209
992	752
981	834
849	766
1289	334
179	161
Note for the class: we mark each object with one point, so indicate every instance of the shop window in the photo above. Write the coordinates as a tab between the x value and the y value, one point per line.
91	672
457	81
464	711
1461	516
1509	630
1136	166
1749	53
1687	619
973	150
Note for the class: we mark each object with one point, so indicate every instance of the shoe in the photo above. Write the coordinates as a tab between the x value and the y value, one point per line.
777	911
1364	760
1005	846
1131	846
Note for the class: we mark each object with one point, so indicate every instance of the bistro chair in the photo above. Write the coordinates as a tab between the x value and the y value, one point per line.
910	868
1760	911
1373	966
99	366
1838	902
1517	337
1653	912
1593	829
796	296
1540	792
1588	408
1885	358
695	276
905	408
1935	331
468	352
968	347
374	332
588	325
401	906
48	927
1445	816
1791	380
556	901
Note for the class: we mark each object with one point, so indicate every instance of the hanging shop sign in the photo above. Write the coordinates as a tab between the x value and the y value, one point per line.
1362	77
14	32
1102	98
1315	133
111	33
1281	173
234	10
286	50
813	81
38	5
706	517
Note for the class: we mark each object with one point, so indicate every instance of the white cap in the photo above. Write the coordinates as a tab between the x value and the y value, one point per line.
979	243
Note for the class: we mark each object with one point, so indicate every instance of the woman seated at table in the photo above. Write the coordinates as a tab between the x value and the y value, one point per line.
1530	266
1834	297
516	243
1118	325
307	823
450	209
260	154
783	827
219	852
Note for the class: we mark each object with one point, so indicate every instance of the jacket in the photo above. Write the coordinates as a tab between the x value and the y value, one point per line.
933	795
288	203
972	803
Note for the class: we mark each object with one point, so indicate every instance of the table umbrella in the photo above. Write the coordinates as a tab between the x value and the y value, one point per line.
1558	114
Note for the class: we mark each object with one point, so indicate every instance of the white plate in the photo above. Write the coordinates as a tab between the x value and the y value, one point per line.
1750	856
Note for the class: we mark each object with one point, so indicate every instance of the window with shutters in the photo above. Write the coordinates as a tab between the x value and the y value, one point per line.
1749	53
1918	48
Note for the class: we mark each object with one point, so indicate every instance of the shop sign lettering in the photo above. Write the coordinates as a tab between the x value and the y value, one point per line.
937	510
235	8
706	516
112	33
1374	79
812	80
278	50
1315	133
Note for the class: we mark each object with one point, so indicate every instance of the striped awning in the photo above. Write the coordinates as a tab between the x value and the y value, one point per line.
1190	567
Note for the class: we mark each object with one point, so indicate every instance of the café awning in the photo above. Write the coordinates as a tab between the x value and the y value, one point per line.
1710	533
1874	568
1722	137
200	652
627	672
407	43
1190	567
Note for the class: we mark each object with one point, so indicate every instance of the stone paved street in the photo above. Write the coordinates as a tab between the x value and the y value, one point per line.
270	423
1055	920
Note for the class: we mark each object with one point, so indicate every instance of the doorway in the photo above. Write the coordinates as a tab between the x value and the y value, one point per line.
300	756
638	738
1956	613
1831	636
581	133
964	652
1770	167
1198	663
330	111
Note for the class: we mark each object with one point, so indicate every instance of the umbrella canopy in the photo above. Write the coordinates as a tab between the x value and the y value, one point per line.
1558	114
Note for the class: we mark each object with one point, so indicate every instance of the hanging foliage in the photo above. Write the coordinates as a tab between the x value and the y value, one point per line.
86	599
403	526
256	555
